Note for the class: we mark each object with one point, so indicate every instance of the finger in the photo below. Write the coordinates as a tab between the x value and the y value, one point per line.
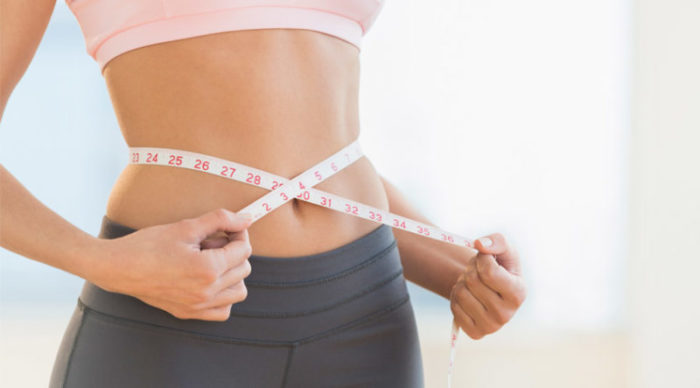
220	314
213	243
509	286
468	302
229	256
488	297
498	309
235	252
465	321
492	274
233	276
226	297
495	244
218	220
241	235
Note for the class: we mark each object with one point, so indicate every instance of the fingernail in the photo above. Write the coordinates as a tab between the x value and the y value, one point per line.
247	216
485	241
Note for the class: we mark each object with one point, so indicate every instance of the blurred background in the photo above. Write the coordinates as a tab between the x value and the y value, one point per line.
571	127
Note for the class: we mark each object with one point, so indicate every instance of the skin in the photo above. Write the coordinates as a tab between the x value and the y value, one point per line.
276	99
490	289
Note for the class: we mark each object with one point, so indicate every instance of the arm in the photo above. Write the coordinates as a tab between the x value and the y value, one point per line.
431	264
163	265
27	227
22	25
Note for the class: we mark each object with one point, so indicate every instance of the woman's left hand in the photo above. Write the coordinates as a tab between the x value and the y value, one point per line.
490	289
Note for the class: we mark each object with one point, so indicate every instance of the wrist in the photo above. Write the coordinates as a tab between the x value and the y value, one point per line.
454	269
453	262
93	261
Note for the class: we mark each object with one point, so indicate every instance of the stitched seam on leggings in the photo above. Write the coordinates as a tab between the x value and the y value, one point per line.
305	283
263	314
346	326
160	328
231	340
75	341
289	362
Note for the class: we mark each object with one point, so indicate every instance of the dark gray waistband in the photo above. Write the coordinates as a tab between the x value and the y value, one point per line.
298	270
288	297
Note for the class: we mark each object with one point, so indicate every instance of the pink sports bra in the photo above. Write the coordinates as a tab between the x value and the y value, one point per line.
112	27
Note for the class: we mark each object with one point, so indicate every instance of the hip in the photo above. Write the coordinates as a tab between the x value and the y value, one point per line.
329	319
313	294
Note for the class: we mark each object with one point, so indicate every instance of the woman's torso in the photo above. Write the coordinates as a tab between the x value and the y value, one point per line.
280	100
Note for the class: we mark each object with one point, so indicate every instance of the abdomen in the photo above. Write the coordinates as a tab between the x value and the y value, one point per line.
278	100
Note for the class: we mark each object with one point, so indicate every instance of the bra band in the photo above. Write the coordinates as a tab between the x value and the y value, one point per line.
113	27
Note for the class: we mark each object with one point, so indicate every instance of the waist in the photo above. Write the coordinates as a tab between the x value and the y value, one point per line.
145	195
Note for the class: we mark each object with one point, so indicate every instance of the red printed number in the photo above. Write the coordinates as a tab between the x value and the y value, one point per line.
266	206
304	195
375	216
399	224
447	238
201	165
151	158
175	161
227	171
424	231
252	178
325	201
350	209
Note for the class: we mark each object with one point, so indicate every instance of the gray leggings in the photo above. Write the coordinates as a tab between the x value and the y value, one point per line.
341	318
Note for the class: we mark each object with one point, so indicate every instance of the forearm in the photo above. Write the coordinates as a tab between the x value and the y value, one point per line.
31	229
431	264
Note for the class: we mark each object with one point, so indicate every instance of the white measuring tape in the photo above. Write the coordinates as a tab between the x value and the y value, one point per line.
300	187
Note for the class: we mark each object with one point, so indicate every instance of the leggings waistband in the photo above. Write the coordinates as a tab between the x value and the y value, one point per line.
290	299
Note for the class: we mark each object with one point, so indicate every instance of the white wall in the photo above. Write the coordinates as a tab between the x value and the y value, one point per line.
664	261
512	116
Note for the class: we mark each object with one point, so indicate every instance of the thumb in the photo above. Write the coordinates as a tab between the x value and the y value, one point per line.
495	244
219	220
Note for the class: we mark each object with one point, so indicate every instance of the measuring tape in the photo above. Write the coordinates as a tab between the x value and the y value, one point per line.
283	190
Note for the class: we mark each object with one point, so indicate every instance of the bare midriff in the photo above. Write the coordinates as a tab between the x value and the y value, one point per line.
280	100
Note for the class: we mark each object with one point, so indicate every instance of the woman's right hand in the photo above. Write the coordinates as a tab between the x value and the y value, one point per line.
166	266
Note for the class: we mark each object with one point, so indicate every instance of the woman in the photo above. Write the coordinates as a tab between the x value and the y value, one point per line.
183	291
